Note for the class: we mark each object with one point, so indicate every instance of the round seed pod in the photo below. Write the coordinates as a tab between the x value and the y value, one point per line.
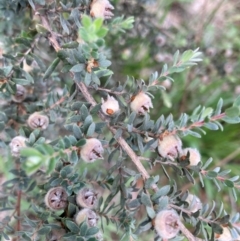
37	120
87	214
101	9
170	146
87	198
20	94
194	157
166	224
16	144
141	103
92	150
110	106
56	199
194	203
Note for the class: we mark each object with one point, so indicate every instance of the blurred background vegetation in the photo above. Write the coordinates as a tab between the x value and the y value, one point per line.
161	28
165	26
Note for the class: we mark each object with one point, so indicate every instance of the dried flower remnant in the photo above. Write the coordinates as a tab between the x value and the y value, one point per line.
37	120
92	63
110	106
87	198
20	94
101	9
87	214
141	103
194	157
194	203
170	146
92	150
16	144
56	198
166	224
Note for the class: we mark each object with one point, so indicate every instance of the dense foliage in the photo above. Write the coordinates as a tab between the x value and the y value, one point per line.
107	121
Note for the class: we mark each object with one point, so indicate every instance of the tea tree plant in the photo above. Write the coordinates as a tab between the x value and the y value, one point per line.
78	145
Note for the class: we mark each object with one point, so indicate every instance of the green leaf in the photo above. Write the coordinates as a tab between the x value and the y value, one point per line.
207	113
64	24
229	183
27	152
151	213
212	174
32	4
86	21
74	157
51	165
44	230
78	68
232	112
81	143
28	77
72	226
145	199
51	68
92	231
91	130
21	81
237	102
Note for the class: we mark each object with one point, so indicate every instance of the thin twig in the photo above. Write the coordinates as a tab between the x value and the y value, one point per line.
108	91
187	233
57	103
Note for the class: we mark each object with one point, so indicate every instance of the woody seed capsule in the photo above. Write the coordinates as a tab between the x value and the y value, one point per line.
194	157
166	224
92	150
110	106
86	198
87	214
20	94
101	9
56	198
16	144
170	146
141	103
37	120
194	203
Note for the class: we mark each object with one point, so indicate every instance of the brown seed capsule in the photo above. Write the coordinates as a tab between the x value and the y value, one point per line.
56	198
101	9
166	224
92	150
16	144
20	94
37	120
87	214
87	198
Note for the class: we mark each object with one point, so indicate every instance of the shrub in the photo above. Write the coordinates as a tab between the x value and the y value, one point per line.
85	150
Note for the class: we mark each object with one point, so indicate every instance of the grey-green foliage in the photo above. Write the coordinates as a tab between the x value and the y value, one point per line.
53	56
